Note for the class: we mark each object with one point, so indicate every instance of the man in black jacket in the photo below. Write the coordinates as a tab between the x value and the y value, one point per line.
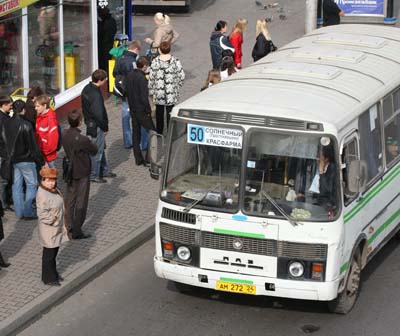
126	64
5	186
331	13
18	147
96	120
78	149
139	106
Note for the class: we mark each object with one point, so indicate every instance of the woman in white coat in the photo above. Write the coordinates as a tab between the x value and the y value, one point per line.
52	224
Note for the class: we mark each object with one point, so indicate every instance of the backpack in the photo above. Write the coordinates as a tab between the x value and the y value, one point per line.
119	89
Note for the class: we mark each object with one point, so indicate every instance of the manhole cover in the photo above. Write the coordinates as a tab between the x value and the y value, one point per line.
309	328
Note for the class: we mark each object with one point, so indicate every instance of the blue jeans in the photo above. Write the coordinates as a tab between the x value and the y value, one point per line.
127	130
144	138
126	124
99	162
24	171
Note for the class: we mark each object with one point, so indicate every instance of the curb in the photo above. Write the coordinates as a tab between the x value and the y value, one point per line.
78	277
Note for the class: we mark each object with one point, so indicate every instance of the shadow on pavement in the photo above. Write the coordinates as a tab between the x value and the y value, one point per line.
100	203
250	300
17	239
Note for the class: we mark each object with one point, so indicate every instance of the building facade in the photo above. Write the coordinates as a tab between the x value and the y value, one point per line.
52	44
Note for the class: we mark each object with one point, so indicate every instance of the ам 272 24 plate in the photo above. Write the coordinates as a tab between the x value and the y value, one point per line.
236	287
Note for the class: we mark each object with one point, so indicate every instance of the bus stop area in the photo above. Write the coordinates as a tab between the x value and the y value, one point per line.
120	217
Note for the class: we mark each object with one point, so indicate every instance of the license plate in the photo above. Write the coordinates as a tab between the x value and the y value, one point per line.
236	288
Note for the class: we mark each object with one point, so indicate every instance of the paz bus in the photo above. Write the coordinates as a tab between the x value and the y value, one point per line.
284	179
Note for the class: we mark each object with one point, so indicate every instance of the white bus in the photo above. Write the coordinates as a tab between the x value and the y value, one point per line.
284	179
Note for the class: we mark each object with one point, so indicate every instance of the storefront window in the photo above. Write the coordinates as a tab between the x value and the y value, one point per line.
77	42
10	53
44	61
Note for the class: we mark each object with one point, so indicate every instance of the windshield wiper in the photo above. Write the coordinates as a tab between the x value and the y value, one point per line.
195	202
277	206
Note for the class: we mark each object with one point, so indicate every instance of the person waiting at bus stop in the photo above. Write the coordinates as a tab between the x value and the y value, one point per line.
137	91
331	13
126	64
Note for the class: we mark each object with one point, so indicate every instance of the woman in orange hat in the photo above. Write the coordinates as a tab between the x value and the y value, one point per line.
52	224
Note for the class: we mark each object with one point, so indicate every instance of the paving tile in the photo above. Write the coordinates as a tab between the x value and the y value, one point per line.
112	215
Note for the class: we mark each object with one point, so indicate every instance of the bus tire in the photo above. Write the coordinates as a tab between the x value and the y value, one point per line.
346	300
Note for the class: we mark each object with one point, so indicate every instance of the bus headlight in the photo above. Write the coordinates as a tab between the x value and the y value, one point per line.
296	269
183	253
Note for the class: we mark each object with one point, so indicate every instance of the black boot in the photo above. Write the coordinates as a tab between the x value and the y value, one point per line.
3	263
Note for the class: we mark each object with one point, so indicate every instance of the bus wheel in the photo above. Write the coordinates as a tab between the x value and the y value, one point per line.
345	301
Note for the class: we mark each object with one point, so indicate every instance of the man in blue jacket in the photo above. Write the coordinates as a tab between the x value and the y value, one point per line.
219	42
126	63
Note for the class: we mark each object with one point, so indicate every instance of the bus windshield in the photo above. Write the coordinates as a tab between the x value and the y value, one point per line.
297	171
204	167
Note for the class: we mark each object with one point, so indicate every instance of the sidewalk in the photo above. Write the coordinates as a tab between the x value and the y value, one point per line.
121	212
120	216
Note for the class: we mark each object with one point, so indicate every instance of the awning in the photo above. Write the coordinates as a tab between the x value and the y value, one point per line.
9	6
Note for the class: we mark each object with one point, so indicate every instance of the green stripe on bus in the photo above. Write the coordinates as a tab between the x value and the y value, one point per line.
246	282
344	267
384	226
371	194
238	233
376	234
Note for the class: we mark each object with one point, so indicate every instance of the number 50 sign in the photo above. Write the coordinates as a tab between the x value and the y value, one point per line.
214	136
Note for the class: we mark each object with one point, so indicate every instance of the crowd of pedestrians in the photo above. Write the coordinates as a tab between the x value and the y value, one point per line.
30	138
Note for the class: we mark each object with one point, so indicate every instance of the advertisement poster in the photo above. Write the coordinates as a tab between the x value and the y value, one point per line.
362	7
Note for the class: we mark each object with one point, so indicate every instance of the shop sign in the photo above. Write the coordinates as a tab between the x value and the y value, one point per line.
8	6
362	7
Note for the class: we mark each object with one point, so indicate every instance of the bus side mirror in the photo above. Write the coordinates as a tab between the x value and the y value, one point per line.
357	176
156	154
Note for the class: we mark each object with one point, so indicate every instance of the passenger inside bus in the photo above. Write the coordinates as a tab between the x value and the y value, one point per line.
327	181
392	149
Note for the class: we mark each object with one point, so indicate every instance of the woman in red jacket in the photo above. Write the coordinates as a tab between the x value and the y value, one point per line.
236	39
46	130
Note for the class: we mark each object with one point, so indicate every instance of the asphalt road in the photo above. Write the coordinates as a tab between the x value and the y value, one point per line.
128	299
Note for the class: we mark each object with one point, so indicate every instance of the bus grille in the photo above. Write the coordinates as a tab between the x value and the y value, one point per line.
179	234
178	216
302	251
218	241
246	119
266	247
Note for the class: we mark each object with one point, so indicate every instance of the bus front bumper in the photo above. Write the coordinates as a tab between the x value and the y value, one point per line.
295	289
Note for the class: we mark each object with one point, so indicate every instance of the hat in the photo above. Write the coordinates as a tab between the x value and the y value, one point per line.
391	141
47	172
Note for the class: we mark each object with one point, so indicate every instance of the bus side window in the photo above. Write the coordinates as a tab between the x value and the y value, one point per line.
391	116
369	129
350	153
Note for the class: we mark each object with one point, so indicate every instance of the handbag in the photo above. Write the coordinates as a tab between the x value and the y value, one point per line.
67	171
91	129
7	169
68	168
